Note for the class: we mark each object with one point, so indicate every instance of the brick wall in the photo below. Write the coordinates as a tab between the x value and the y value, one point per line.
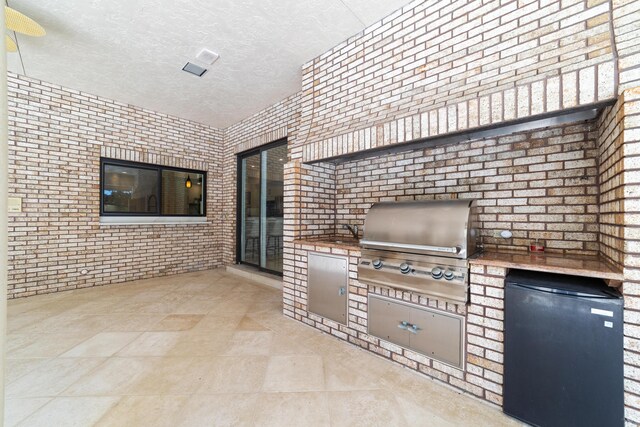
629	117
429	69
423	73
276	122
56	139
317	200
619	188
610	191
435	67
626	32
539	184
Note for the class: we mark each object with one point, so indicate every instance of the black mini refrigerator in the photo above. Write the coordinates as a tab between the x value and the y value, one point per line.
563	350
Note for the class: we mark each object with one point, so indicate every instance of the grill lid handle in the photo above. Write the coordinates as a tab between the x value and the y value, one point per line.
448	250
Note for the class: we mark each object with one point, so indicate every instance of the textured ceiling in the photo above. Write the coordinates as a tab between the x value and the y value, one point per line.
132	51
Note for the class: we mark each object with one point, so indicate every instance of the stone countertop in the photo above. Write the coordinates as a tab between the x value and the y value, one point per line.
331	242
577	265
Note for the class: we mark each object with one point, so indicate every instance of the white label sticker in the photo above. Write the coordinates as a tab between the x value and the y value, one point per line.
608	324
602	312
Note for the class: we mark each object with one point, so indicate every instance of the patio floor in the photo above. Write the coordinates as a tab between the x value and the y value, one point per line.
206	348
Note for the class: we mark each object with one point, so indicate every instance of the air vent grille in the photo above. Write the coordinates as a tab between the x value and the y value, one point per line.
194	69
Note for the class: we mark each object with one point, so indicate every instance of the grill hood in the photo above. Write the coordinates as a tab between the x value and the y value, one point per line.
430	227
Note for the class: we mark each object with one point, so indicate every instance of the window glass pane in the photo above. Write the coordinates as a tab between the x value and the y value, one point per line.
130	190
182	193
250	205
273	177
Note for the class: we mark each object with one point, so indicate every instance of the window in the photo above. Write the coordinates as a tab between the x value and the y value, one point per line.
177	199
129	188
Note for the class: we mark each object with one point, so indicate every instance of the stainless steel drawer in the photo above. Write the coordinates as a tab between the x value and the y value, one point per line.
438	335
327	284
435	333
389	321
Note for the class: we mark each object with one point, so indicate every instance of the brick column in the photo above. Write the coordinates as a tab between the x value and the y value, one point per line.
485	337
290	232
630	101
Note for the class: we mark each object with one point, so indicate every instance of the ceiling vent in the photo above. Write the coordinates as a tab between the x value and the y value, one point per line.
194	69
207	56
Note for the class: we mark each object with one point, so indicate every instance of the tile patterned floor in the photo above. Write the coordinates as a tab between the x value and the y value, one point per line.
204	349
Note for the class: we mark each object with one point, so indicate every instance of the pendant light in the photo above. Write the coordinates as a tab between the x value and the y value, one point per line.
187	183
20	23
10	44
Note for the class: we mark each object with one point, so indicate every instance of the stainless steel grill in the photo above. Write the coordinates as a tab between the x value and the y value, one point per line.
421	246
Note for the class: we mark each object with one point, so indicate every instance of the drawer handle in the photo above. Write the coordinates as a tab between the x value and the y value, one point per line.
404	325
446	249
409	327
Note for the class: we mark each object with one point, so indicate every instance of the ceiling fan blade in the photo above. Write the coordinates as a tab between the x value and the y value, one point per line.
20	23
10	44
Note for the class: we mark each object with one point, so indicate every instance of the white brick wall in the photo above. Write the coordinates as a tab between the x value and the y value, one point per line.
56	138
279	121
431	68
439	67
539	184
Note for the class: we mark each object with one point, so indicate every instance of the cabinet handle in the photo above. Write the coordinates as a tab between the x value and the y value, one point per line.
342	291
413	328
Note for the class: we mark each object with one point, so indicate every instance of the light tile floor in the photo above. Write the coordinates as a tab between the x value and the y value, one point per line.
204	349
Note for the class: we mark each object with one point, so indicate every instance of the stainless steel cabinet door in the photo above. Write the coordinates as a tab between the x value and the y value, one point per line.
437	335
327	279
389	320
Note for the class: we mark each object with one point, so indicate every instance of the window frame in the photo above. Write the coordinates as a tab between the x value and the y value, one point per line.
104	161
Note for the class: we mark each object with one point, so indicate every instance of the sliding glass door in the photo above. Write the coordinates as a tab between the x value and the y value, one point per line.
250	215
260	207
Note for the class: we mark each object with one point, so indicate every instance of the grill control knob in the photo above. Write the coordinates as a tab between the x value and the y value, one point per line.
377	264
436	272
448	274
405	268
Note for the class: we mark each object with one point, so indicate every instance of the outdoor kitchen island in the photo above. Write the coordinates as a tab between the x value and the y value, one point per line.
482	369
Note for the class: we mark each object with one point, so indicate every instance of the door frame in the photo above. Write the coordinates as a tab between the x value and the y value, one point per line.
239	158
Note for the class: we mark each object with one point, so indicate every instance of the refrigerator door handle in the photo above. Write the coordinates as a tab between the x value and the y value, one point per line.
559	291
